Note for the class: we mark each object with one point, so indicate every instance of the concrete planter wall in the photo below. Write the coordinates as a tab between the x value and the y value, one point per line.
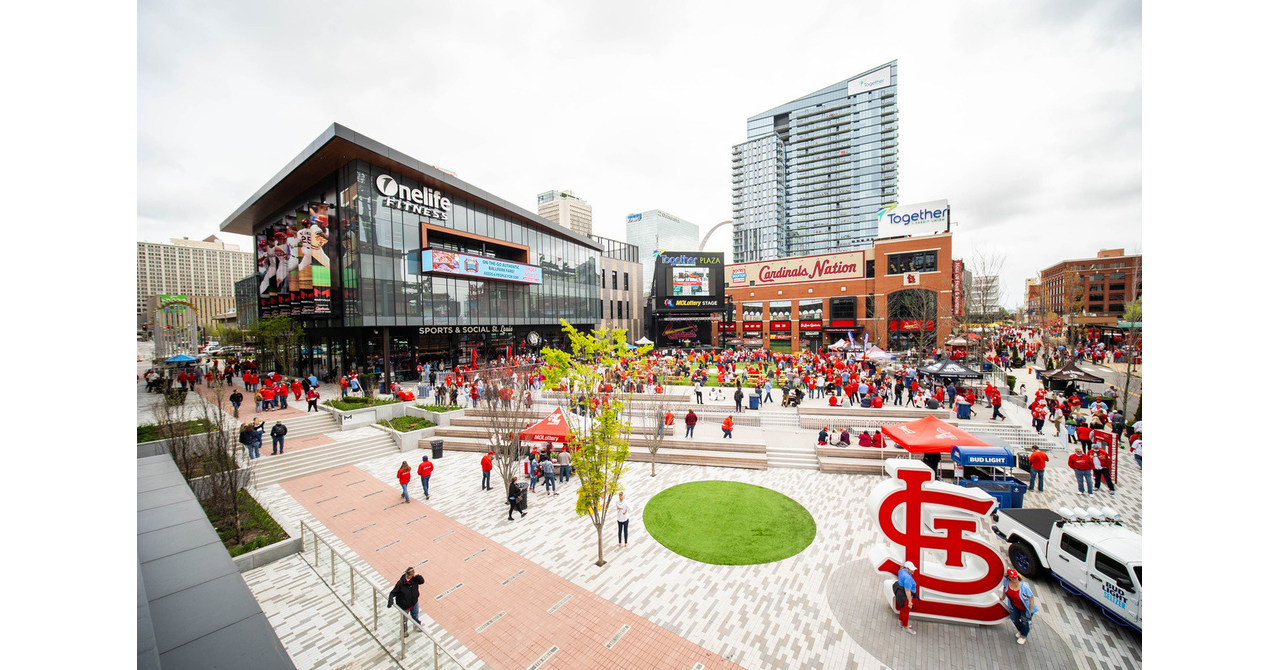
440	418
155	448
200	485
268	554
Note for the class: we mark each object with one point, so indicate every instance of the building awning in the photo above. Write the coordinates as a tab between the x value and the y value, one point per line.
339	145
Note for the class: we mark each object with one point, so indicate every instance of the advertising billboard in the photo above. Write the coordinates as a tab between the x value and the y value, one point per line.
881	78
957	288
294	258
689	281
823	267
479	267
923	218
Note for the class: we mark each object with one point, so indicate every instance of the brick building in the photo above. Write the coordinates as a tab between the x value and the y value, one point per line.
1091	290
896	291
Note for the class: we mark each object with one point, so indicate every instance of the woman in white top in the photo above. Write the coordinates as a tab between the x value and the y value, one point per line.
623	520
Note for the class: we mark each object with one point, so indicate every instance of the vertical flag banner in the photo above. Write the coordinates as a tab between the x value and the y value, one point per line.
314	263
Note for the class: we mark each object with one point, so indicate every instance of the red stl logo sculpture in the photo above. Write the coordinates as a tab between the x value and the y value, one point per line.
959	578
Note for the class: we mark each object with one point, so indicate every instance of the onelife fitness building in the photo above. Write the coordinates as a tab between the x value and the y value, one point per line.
888	294
385	258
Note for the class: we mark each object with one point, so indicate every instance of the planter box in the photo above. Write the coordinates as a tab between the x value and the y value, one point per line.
200	485
440	418
355	418
268	554
409	441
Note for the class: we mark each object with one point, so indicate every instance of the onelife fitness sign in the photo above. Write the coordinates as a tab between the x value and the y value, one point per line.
960	577
826	267
421	201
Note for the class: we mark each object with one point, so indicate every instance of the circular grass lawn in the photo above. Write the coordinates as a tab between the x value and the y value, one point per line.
728	523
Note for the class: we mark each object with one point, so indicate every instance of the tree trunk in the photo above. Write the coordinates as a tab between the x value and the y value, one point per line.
653	460
599	543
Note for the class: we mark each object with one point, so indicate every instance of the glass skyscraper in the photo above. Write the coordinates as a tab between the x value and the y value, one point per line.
813	173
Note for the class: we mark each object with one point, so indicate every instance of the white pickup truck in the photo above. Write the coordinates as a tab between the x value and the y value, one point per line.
1088	551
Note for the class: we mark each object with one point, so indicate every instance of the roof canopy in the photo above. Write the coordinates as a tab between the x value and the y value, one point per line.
930	435
1071	373
180	358
949	368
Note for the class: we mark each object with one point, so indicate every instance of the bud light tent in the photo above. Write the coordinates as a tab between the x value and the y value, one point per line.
949	368
1070	373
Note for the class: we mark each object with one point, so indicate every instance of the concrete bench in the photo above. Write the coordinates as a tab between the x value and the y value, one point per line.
869	452
867	466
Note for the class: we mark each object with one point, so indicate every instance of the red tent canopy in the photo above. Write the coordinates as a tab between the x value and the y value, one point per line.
930	435
553	428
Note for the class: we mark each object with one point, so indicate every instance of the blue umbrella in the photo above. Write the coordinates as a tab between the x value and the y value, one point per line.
180	358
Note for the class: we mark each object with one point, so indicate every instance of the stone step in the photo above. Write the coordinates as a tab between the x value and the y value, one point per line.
271	469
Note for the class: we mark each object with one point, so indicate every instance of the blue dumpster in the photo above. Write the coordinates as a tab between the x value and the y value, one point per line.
754	402
987	468
962	410
987	367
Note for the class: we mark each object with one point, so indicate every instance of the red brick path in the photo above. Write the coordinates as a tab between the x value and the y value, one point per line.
407	533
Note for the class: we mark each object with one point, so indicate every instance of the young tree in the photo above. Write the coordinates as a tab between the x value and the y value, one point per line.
648	417
601	449
279	337
1132	314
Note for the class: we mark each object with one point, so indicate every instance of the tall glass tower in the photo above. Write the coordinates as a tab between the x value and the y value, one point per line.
813	173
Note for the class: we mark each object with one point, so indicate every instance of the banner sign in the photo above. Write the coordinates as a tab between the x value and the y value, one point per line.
779	326
752	326
1112	447
957	288
843	323
825	267
810	325
924	218
478	267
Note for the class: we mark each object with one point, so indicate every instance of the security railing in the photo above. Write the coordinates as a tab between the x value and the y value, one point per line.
392	628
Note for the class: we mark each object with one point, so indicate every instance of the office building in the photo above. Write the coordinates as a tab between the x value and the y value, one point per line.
813	173
1091	290
621	287
983	298
654	230
202	269
565	209
397	263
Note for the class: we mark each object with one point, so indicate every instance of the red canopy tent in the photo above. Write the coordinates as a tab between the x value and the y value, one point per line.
930	435
554	428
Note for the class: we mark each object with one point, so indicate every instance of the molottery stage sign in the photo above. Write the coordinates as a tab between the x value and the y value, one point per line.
934	525
826	267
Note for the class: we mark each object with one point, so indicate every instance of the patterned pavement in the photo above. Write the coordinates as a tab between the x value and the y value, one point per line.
816	609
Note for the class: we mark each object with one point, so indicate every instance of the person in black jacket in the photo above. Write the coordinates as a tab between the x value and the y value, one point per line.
236	398
405	593
278	431
513	497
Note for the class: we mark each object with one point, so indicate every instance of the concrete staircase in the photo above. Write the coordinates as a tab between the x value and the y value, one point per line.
272	469
796	455
311	424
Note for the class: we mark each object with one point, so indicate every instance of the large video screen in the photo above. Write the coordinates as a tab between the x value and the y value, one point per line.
294	263
689	280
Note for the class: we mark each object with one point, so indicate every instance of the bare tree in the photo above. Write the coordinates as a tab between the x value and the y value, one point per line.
982	301
506	409
1132	314
648	420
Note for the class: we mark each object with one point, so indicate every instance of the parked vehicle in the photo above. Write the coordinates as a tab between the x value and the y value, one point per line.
1090	553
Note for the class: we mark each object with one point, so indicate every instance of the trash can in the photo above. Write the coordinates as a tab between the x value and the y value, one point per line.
1023	461
754	402
962	410
987	367
437	449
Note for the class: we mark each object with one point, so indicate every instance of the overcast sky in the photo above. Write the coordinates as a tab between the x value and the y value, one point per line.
1025	115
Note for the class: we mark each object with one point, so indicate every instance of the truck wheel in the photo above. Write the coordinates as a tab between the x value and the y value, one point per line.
1023	559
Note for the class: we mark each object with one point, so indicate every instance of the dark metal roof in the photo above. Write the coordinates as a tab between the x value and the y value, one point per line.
339	145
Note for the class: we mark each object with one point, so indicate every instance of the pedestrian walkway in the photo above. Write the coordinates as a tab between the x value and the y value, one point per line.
509	611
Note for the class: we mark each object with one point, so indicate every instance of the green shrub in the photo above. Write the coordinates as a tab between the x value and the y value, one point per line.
175	397
357	402
257	528
405	424
150	431
439	408
1011	381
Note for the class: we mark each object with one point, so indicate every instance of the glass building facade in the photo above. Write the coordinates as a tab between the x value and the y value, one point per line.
814	172
384	305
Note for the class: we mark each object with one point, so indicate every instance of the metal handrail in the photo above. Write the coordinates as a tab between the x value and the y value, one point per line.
379	596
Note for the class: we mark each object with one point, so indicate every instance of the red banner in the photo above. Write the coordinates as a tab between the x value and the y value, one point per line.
779	326
727	326
910	325
843	323
752	326
810	325
957	288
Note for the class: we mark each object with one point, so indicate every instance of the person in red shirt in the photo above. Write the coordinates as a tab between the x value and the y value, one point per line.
1081	463
404	474
297	389
727	427
997	401
877	440
312	397
834	401
1038	415
877	402
1038	461
1083	433
282	395
268	398
424	471
486	469
1101	466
